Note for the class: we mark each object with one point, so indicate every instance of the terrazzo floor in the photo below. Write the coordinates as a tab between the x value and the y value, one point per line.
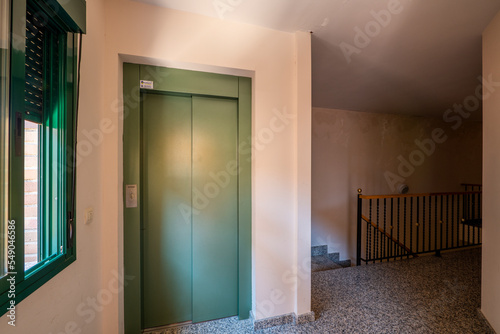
424	295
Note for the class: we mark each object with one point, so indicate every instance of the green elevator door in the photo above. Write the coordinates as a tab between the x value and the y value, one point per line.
190	236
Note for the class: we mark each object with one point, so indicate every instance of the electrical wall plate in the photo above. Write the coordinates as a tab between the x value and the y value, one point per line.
89	215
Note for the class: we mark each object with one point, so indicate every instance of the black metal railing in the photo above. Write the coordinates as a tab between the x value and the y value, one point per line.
402	226
472	187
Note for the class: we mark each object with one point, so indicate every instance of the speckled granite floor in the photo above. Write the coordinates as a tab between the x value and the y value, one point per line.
423	295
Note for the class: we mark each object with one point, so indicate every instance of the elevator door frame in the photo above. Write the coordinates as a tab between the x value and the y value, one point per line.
146	78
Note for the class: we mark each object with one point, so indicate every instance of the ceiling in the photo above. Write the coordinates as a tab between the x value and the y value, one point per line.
417	57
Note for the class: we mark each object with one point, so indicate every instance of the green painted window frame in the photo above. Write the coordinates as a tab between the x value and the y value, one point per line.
4	123
57	144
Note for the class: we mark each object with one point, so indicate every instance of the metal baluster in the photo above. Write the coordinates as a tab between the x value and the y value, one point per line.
430	225
474	228
470	206
473	210
398	249
392	228
377	231
479	206
369	225
458	221
423	224
447	219
466	204
441	228
463	227
452	219
359	228
436	223
474	234
385	229
404	225
470	213
417	224
411	226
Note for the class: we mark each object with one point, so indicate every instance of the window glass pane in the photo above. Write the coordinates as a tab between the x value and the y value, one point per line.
4	130
31	193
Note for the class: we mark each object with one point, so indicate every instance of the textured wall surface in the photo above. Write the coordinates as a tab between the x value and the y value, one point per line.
377	152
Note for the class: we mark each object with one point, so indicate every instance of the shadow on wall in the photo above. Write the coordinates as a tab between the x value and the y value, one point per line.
378	152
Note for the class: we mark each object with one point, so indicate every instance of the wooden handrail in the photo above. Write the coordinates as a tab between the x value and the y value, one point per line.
388	235
418	195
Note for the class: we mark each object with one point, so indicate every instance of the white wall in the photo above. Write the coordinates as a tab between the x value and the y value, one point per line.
303	160
490	301
53	308
354	150
166	37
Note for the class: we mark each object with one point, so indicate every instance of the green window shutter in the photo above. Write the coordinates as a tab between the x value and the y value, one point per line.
34	67
69	14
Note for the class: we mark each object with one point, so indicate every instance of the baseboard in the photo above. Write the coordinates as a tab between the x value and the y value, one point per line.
280	320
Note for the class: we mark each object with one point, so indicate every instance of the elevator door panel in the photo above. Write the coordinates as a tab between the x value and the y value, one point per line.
167	230
190	237
215	209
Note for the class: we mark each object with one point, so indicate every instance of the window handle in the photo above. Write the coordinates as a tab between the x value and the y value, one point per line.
69	240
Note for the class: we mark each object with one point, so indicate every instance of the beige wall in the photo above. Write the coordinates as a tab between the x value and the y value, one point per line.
280	66
62	304
354	150
303	172
147	34
490	301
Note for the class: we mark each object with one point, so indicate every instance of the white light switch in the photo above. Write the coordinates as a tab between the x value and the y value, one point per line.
131	196
89	215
